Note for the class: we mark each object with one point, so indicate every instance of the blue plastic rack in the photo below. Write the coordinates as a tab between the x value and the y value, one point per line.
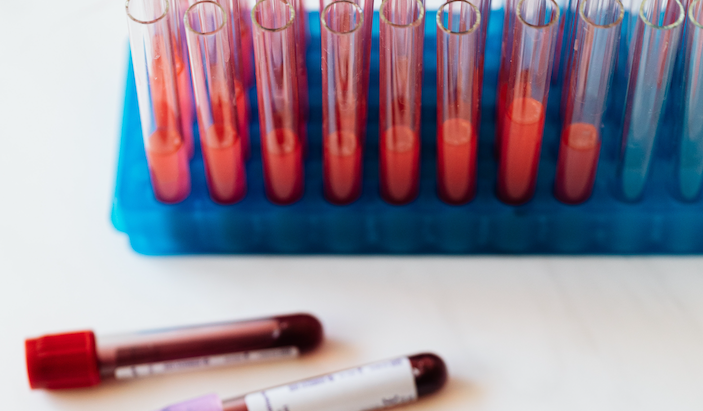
659	223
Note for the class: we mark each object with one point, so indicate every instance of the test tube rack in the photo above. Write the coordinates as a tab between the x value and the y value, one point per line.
658	224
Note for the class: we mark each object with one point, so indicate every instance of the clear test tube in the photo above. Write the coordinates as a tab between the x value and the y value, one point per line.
247	44
458	99
238	60
690	158
524	107
84	359
184	87
153	60
277	92
214	82
300	25
506	58
652	54
367	35
374	386
585	92
401	42
342	105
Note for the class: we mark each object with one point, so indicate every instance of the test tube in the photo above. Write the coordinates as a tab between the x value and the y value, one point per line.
247	44
153	61
690	161
506	54
652	54
375	386
214	82
458	99
525	101
367	27
82	359
184	87
342	105
277	91
300	24
591	66
401	40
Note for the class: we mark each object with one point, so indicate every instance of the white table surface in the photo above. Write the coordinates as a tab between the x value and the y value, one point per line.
517	333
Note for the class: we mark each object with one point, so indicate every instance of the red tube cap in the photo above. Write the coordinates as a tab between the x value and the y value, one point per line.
62	361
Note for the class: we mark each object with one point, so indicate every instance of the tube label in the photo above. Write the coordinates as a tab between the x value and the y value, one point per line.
164	367
369	387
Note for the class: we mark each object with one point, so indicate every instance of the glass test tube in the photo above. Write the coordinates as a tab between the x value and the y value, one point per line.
506	57
652	54
82	359
214	82
247	44
525	102
184	87
690	159
367	35
153	60
401	41
458	99
585	91
342	105
379	385
300	25
231	8
277	91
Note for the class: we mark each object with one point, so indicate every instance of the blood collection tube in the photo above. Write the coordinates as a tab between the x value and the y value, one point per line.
155	71
524	105
342	105
231	8
690	161
374	386
458	99
652	54
82	359
401	41
591	67
216	92
277	91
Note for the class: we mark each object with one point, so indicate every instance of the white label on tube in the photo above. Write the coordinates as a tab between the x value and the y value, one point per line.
142	370
369	387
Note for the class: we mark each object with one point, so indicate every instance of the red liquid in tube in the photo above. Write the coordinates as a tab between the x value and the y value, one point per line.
168	166
456	161
224	169
80	359
400	165
578	160
283	166
342	167
379	385
243	118
520	147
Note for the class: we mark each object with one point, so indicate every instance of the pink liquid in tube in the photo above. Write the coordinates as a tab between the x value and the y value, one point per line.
379	385
83	359
399	164
283	166
456	161
578	160
342	167
168	166
222	152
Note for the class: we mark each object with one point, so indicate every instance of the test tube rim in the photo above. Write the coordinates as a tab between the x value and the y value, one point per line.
553	21
415	23
474	26
621	15
152	21
291	19
673	25
690	14
323	20
207	33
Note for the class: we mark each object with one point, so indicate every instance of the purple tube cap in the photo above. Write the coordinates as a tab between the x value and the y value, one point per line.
206	403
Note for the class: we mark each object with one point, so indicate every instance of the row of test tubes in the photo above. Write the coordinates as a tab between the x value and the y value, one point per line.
193	59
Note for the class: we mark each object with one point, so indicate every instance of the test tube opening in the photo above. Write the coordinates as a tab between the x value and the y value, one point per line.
662	14
146	11
402	13
602	14
343	17
695	13
538	14
272	15
458	17
205	18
